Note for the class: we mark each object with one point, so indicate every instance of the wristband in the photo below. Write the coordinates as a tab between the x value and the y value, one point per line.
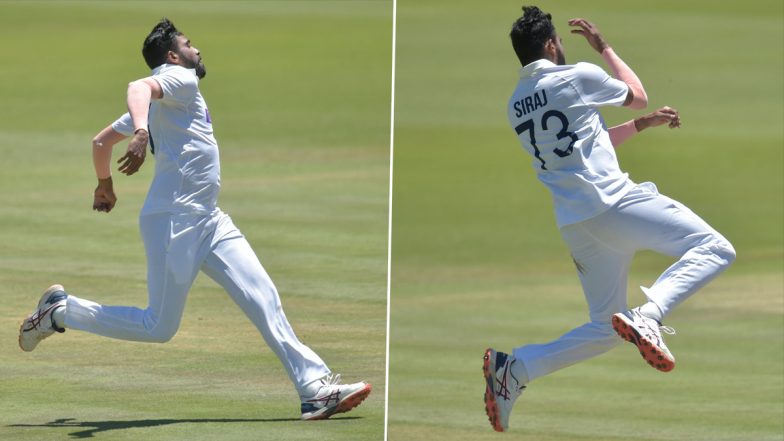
141	128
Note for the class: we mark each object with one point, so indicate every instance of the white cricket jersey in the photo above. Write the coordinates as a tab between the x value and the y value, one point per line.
554	113
187	165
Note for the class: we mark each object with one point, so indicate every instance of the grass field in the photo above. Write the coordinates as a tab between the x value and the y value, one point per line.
299	93
477	259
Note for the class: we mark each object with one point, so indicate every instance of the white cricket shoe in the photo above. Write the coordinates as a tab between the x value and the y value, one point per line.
502	388
39	325
645	333
333	397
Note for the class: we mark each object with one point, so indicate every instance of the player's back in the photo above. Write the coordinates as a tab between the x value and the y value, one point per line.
554	112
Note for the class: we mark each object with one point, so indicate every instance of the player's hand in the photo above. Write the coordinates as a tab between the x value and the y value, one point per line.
664	115
590	32
133	159
104	198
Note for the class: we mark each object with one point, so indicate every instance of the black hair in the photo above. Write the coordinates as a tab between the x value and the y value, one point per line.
161	40
530	33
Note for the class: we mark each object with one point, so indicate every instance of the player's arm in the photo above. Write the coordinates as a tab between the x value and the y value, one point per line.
636	97
140	93
664	115
104	197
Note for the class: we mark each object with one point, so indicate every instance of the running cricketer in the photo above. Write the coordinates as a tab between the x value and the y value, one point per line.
183	230
603	216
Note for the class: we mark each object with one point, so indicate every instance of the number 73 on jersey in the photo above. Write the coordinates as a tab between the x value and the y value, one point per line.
528	126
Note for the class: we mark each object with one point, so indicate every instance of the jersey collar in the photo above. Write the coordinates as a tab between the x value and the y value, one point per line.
531	68
167	66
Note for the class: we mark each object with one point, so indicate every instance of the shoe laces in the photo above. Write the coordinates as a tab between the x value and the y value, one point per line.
653	324
504	390
667	330
652	329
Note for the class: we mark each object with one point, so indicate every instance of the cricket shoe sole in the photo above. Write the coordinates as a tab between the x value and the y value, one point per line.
502	388
491	404
651	353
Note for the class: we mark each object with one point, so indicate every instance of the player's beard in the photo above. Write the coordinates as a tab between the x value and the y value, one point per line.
201	71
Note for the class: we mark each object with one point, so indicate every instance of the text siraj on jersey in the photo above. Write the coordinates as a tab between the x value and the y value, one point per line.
530	103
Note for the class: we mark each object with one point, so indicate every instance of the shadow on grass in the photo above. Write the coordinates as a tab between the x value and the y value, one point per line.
93	427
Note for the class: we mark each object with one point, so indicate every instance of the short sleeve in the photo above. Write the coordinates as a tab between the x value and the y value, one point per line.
123	125
596	88
178	84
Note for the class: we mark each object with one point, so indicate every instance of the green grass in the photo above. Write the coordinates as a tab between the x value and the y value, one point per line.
477	260
299	93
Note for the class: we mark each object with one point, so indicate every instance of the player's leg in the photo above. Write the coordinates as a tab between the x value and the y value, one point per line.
167	292
670	228
603	274
233	264
646	220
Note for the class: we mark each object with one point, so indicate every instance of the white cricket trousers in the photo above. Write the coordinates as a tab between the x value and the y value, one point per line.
177	247
603	248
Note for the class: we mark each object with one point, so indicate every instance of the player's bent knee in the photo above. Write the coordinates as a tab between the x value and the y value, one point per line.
729	250
722	248
161	333
159	329
161	336
715	248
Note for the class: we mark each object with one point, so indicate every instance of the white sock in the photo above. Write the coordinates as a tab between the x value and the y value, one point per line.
58	317
520	372
651	310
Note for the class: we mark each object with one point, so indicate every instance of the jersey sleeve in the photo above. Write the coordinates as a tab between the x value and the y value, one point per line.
123	125
597	88
177	84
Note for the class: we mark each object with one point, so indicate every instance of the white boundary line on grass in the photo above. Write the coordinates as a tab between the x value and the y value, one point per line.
389	237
